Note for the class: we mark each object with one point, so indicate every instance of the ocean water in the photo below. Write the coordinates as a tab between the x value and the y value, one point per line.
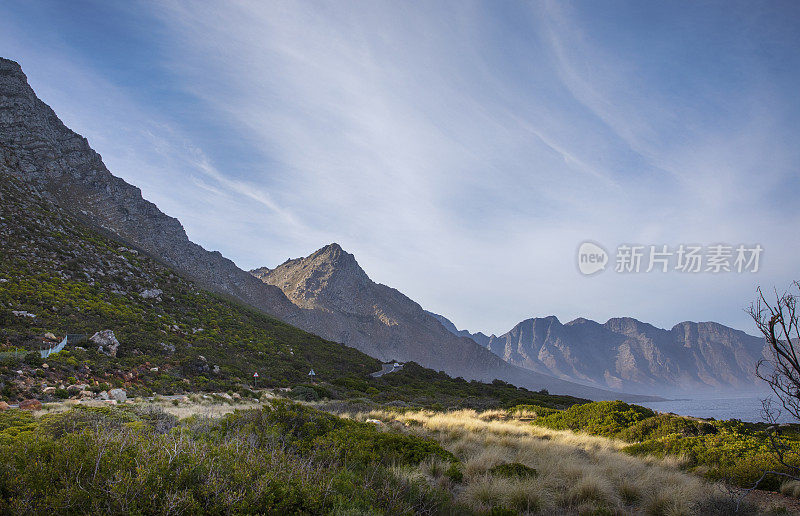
744	409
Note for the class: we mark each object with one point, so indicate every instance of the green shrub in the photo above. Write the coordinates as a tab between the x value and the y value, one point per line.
454	472
304	393
606	418
513	470
33	359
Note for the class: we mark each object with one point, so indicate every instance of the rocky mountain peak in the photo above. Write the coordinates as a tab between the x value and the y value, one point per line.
337	258
628	325
12	68
538	324
328	275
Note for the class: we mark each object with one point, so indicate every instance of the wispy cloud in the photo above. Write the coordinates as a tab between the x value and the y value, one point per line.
460	150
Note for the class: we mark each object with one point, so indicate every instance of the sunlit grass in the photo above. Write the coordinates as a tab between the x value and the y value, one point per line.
576	473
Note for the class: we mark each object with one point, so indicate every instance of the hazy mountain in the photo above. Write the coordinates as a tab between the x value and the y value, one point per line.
345	305
479	337
630	355
336	299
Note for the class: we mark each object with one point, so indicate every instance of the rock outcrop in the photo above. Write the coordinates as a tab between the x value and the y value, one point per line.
118	394
106	342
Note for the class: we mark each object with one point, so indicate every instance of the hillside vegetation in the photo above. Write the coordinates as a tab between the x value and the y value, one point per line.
280	459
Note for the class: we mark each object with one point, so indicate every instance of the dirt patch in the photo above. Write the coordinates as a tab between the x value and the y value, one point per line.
768	502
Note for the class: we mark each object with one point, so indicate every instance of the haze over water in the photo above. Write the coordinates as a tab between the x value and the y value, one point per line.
744	408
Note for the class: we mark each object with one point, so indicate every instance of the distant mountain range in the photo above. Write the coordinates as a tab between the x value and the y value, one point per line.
630	355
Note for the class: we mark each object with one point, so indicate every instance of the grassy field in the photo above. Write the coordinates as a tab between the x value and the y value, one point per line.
510	464
209	456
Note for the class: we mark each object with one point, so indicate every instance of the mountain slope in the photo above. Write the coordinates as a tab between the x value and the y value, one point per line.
73	280
633	356
345	305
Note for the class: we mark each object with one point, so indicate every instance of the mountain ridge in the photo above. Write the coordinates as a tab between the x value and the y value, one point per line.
628	354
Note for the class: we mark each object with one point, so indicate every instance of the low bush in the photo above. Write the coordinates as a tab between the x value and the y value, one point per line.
513	470
606	418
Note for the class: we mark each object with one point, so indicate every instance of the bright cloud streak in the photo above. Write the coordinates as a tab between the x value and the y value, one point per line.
461	150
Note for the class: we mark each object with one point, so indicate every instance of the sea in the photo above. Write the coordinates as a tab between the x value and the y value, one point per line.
743	409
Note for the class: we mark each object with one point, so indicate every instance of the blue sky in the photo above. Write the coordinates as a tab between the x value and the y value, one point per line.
462	151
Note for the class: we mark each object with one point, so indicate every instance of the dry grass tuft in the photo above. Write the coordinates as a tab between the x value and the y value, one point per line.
791	488
577	473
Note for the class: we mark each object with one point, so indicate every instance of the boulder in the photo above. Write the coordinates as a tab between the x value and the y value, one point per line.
86	394
74	389
103	395
118	394
151	294
106	341
30	405
49	390
4	406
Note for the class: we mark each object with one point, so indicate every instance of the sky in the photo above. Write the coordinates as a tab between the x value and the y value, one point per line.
462	151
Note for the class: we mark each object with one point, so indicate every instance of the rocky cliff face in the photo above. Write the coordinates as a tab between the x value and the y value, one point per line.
37	147
633	356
